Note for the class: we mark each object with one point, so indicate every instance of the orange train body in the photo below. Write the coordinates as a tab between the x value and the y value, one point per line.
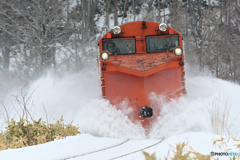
140	62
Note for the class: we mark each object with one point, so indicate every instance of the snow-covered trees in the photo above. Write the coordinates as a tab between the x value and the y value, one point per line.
62	34
33	28
36	34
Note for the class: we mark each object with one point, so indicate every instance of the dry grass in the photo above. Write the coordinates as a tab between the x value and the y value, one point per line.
149	156
223	143
180	153
219	113
27	131
22	106
24	133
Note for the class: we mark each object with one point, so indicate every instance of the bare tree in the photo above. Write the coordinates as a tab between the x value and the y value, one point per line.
125	10
5	20
107	13
6	52
134	15
116	13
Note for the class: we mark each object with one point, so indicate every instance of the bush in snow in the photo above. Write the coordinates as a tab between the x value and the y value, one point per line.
24	133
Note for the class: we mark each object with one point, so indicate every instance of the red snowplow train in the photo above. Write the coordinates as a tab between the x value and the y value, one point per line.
139	58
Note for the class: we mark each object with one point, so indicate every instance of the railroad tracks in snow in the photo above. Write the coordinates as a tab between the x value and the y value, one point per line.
95	151
124	155
117	151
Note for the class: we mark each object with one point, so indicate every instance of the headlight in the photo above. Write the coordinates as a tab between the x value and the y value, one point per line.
178	51
162	27
116	30
104	55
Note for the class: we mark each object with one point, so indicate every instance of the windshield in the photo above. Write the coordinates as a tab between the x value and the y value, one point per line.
126	46
161	43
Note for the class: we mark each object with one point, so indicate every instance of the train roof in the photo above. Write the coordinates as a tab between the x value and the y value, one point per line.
141	28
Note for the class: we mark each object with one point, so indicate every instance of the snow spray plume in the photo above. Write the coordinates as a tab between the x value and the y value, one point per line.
191	113
78	97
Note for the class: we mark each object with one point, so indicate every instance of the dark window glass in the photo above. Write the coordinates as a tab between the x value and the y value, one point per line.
159	44
127	46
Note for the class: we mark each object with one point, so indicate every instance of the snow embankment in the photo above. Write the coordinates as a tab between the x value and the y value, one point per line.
87	147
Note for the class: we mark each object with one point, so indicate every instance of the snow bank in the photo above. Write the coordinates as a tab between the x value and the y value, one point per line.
88	147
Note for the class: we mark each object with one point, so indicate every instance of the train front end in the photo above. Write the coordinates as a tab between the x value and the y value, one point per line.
138	59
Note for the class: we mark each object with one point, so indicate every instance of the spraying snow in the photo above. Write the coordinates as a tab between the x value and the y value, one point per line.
191	113
78	97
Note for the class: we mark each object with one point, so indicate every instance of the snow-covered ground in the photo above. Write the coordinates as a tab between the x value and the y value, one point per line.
77	97
88	147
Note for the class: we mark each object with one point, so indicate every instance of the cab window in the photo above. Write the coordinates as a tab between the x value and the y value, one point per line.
125	46
158	44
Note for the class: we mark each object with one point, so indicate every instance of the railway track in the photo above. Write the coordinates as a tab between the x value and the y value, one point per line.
99	150
138	150
120	150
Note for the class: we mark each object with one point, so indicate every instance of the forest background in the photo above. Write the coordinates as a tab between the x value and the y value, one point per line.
62	35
